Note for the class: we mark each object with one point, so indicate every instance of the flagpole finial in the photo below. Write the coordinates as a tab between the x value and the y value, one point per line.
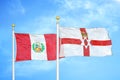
57	17
13	25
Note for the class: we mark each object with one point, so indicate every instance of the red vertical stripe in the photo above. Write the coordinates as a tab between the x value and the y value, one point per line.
86	50
23	47
83	30
50	46
83	33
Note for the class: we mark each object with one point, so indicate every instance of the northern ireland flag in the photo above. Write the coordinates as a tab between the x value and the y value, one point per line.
84	42
35	47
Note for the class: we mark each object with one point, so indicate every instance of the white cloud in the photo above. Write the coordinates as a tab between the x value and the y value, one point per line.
85	13
16	7
88	5
118	1
73	4
74	13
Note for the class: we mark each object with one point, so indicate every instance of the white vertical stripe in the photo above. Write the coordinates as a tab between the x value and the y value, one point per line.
38	55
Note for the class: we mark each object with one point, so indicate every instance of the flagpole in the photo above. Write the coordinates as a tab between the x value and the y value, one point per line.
13	54
57	60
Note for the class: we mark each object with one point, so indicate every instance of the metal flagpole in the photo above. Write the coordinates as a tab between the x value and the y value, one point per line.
57	60
13	54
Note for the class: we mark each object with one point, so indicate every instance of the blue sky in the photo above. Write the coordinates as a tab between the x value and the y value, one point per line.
38	17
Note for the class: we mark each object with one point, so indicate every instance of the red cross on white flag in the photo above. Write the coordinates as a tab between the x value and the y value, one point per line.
84	42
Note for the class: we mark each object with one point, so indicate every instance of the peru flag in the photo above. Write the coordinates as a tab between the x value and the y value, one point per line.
85	42
35	47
